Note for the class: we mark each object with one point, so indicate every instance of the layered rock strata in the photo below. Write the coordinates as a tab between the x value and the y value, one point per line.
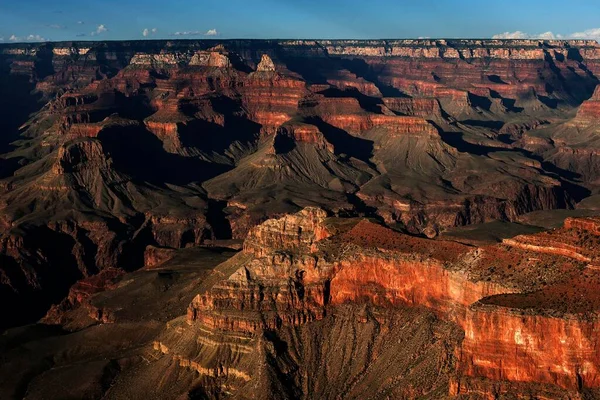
529	316
125	145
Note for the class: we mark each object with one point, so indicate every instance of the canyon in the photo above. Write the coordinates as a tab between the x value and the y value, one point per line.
300	219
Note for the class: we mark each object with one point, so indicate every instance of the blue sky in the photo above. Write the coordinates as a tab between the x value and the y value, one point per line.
36	20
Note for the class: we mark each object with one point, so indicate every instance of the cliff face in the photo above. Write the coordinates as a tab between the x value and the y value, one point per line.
524	328
590	109
126	145
505	346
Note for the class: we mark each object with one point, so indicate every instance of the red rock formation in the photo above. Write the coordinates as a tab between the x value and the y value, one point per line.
210	59
589	111
178	232
80	293
415	107
303	133
167	132
505	345
79	155
591	224
540	245
394	124
155	256
345	80
271	99
80	130
265	64
418	283
290	233
293	267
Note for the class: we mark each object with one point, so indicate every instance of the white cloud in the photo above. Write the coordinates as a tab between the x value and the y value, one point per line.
99	30
512	35
28	38
80	22
587	34
56	26
590	34
148	32
548	36
187	33
210	32
1	39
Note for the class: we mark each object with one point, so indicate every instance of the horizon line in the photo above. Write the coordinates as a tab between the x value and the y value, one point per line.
213	39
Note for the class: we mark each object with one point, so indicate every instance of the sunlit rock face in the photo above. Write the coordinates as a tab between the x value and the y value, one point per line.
265	64
590	109
519	329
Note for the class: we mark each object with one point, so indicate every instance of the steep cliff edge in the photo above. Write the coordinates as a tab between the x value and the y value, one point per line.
509	301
